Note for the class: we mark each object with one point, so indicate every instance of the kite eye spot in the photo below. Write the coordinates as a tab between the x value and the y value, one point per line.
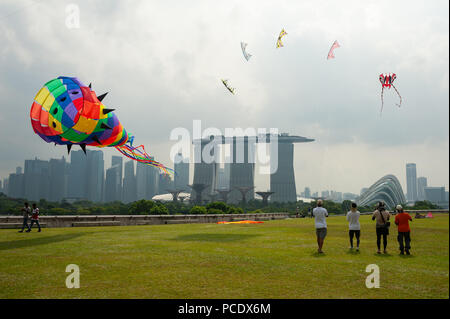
75	92
54	125
55	111
63	99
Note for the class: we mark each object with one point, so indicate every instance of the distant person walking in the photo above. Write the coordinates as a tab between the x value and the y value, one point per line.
402	220
353	225
382	227
320	214
26	214
35	218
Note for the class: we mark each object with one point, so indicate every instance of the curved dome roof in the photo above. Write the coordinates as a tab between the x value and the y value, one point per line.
387	189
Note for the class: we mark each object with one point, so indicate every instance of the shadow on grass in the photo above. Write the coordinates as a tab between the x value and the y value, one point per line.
317	254
219	238
353	252
36	241
383	255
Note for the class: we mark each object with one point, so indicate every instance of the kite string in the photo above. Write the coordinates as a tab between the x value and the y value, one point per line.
398	95
140	155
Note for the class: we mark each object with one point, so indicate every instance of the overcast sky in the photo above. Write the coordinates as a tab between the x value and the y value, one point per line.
162	62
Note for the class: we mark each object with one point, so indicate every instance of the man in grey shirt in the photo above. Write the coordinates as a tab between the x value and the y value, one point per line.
26	214
320	214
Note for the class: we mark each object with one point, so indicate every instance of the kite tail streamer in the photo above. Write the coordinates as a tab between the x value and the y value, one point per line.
382	100
140	155
398	95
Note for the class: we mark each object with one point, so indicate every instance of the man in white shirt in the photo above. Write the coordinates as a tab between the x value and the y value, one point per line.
353	225
320	214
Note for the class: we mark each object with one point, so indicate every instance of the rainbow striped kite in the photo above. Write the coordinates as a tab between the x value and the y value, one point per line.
67	112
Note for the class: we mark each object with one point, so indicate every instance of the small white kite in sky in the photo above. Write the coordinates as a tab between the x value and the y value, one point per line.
225	82
331	52
247	55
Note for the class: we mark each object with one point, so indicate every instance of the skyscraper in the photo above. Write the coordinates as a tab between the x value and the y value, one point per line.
116	161
307	192
58	179
147	181
242	169
436	195
129	183
181	178
36	179
111	181
421	184
411	182
77	184
95	175
16	187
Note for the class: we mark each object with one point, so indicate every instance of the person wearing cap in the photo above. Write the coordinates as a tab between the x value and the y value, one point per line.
320	214
381	215
353	225
402	220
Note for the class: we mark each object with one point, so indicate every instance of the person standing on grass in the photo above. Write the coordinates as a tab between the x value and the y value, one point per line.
320	214
26	214
353	225
35	218
382	227
402	221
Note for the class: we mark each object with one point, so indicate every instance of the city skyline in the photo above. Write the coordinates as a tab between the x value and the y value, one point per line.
122	181
157	84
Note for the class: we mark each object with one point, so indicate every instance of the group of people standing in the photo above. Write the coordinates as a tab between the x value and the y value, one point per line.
382	217
34	214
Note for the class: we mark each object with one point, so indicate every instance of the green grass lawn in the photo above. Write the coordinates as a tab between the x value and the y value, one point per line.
276	259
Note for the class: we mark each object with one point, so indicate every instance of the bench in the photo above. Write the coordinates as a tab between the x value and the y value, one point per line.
18	225
96	224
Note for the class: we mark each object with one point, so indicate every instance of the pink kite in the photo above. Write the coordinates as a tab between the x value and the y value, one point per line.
429	215
331	53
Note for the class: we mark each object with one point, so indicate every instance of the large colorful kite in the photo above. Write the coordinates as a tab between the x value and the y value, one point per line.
67	112
279	42
387	80
331	52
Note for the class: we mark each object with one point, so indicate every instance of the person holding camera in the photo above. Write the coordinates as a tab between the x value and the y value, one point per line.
381	215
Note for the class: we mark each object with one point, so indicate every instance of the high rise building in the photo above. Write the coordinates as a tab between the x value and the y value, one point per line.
325	194
307	192
282	181
129	183
147	181
95	168
181	178
436	195
117	162
421	184
77	184
58	179
5	186
242	170
165	184
205	172
411	182
16	187
36	179
111	181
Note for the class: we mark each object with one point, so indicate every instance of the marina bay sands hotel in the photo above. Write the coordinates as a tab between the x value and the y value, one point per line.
242	167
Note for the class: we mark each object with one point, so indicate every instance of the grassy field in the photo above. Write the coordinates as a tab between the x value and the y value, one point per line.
276	259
